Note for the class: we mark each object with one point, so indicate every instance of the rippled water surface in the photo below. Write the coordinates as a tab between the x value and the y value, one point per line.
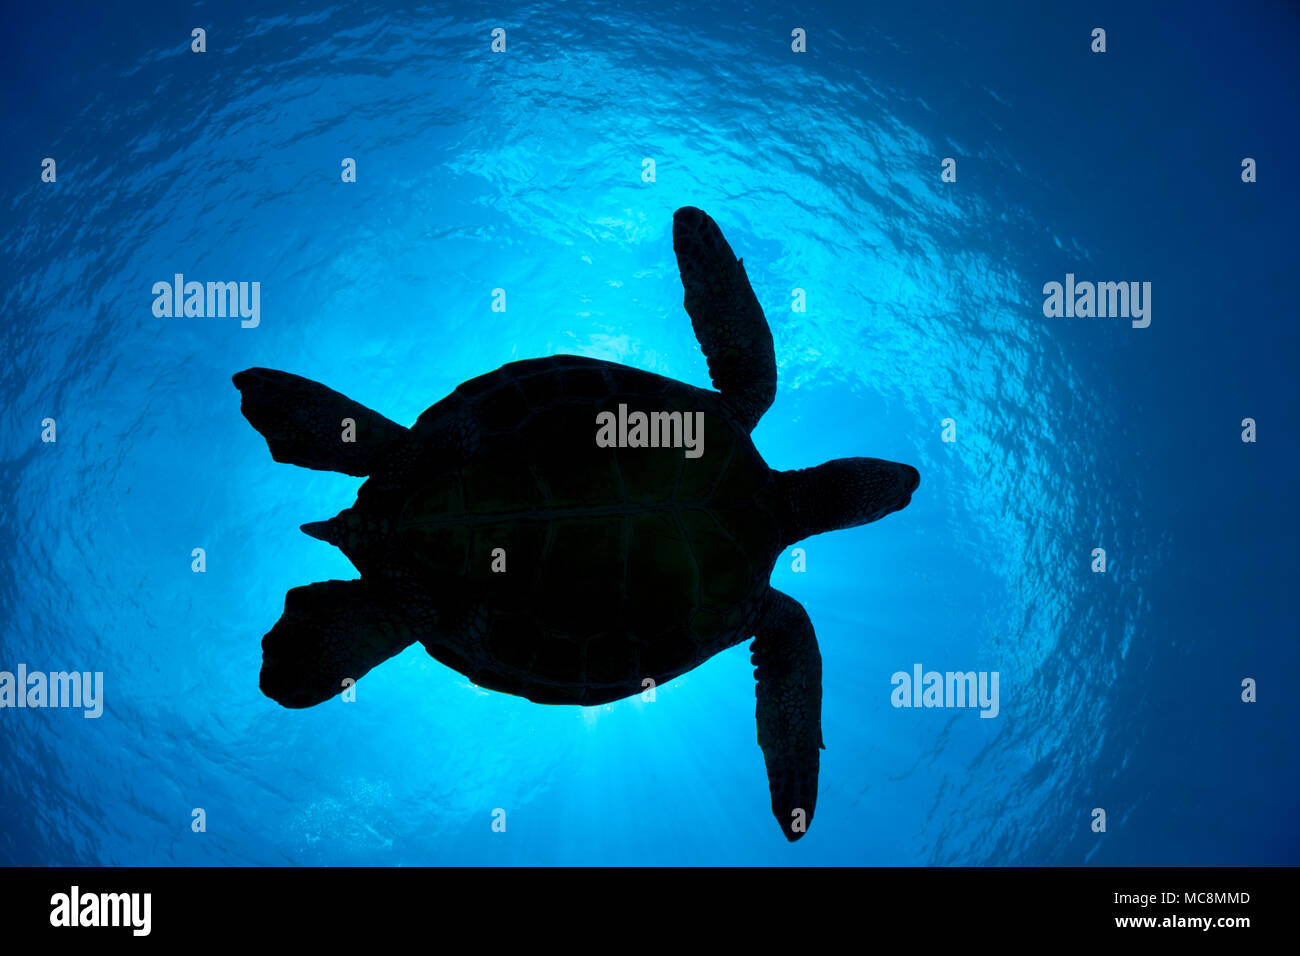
523	171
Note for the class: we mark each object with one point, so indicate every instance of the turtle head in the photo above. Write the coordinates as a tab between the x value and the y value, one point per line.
844	493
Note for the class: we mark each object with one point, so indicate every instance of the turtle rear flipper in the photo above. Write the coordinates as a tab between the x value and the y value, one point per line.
788	667
303	423
726	316
330	632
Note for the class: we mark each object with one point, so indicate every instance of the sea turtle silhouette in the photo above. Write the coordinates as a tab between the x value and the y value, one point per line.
536	560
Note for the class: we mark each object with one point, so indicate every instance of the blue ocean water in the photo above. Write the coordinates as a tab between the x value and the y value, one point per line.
523	170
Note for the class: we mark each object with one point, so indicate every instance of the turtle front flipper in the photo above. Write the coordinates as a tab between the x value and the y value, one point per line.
303	423
330	632
788	668
726	316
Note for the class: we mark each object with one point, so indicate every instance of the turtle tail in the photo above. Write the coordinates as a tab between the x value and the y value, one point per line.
331	531
306	424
